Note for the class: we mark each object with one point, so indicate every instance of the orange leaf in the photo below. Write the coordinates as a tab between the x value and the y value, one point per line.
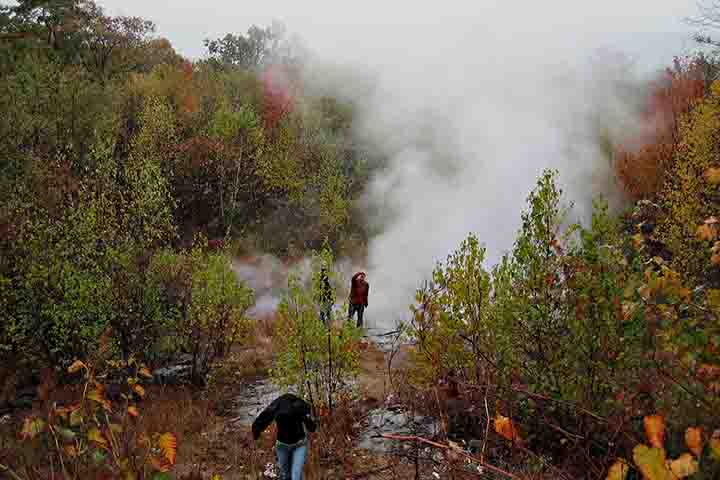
145	372
160	464
94	435
133	411
684	466
97	395
506	428
655	430
706	232
139	390
715	259
168	446
694	440
712	176
70	451
76	366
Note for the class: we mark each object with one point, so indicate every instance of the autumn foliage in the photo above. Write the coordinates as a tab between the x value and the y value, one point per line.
642	160
278	99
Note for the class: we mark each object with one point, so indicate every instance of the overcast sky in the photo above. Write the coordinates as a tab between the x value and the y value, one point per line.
348	28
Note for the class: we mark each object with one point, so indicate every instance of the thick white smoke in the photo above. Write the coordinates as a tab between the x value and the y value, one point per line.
468	122
469	101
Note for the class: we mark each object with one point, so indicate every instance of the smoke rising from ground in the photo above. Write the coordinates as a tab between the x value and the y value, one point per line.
467	123
468	101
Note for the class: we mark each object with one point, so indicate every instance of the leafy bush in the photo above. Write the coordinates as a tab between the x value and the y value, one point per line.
95	437
572	330
206	301
316	360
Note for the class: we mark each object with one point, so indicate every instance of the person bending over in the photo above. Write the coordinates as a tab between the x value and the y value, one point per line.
292	416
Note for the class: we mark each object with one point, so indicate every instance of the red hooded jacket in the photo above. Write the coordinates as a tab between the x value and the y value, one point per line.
359	290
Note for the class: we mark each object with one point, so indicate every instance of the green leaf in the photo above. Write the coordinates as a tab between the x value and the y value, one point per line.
76	418
32	427
66	433
98	457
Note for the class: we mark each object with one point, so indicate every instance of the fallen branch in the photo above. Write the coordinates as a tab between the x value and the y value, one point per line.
415	438
10	472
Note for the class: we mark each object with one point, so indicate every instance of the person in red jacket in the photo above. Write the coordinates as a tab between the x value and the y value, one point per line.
359	289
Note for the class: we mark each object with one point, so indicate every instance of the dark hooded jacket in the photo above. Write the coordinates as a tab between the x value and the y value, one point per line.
290	413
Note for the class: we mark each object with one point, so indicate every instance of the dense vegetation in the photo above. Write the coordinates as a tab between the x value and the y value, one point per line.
130	176
119	156
582	334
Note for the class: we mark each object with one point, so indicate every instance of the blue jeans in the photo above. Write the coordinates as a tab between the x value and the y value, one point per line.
291	459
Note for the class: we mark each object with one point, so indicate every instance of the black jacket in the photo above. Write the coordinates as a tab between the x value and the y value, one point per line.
289	413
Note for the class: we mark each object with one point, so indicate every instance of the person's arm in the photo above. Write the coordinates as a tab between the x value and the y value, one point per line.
367	293
310	424
307	419
264	419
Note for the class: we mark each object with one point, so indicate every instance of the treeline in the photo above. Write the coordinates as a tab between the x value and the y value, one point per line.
119	159
590	338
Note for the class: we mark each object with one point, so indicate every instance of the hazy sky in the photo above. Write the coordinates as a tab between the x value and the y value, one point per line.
343	26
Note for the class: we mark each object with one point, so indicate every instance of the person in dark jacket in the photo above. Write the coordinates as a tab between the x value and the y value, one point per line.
326	298
293	416
359	289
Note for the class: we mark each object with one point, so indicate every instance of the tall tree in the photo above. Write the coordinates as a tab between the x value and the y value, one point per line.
257	47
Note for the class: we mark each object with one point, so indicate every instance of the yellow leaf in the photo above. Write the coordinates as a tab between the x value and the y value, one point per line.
139	390
694	440
684	466
129	475
96	395
706	232
715	445
76	366
215	476
133	411
619	470
94	435
638	240
713	297
168	447
506	429
651	463
32	427
655	430
116	427
712	176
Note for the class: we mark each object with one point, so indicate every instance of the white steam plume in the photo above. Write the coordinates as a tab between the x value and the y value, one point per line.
468	124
